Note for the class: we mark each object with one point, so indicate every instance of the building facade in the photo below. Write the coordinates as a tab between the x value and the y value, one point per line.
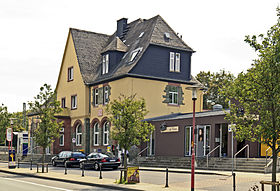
144	57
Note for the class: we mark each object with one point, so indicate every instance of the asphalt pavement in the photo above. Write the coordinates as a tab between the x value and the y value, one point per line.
150	178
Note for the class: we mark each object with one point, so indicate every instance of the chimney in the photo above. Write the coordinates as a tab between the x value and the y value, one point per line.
121	26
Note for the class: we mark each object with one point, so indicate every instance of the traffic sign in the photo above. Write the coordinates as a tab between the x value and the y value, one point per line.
9	134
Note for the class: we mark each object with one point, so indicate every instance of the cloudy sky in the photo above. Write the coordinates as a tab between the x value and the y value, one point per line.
33	35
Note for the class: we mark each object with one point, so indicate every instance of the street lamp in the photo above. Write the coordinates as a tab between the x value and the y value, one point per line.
194	89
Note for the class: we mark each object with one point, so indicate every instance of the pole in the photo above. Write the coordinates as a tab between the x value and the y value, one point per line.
233	175
166	181
231	152
193	147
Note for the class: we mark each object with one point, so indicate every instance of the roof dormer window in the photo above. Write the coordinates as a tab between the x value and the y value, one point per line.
134	53
105	64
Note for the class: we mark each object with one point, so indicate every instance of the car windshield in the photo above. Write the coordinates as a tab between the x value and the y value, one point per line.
78	154
102	155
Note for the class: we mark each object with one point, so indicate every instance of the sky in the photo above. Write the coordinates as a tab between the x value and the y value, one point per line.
33	35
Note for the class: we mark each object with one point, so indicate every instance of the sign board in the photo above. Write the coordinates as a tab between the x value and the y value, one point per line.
100	112
133	175
9	134
73	140
109	148
12	159
170	129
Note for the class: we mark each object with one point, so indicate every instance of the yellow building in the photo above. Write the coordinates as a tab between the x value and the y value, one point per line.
143	57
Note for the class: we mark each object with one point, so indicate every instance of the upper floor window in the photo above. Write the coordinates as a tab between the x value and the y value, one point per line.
63	103
174	62
106	127
173	95
106	94
105	64
70	73
96	134
79	135
95	98
74	102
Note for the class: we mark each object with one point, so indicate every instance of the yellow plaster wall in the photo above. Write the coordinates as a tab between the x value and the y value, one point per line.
76	87
152	91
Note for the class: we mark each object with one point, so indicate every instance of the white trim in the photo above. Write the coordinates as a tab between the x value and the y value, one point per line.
96	133
74	102
171	61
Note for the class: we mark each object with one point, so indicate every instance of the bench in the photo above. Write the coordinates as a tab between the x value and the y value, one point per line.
270	183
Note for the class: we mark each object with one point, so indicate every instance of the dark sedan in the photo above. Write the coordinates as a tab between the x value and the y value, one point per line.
95	160
68	158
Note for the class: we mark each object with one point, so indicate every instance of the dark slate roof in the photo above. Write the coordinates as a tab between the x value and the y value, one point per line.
89	47
178	116
115	45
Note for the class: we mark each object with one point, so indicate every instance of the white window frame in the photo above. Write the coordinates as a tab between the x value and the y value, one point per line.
105	64
171	61
74	102
106	133
61	137
177	63
70	75
106	94
96	134
96	97
79	135
172	100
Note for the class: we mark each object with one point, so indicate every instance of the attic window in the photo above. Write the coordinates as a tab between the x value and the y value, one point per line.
167	35
141	34
134	53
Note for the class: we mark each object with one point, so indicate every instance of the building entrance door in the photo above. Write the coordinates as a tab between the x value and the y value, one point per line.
201	138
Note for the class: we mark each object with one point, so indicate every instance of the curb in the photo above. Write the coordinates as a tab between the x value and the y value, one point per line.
71	181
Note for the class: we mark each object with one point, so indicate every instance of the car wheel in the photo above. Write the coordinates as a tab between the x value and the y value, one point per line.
96	166
53	163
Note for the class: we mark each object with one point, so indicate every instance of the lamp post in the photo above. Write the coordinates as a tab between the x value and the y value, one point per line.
194	89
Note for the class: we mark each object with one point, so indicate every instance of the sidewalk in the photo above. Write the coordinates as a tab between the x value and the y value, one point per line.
94	181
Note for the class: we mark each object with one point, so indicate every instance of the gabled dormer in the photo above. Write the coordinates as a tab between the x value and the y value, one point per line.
111	55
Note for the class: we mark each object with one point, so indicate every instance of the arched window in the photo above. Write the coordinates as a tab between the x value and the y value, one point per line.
96	134
106	128
79	135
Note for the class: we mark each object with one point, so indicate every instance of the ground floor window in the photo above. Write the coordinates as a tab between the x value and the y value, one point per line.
106	128
79	135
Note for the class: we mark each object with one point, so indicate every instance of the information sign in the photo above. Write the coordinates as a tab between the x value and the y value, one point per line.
133	175
9	134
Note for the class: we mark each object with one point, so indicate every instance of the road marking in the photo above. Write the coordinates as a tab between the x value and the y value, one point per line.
42	185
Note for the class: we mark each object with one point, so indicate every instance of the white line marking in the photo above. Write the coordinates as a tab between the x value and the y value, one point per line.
42	185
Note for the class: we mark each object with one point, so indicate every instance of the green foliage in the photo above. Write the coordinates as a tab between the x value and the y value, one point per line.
45	106
257	92
127	115
215	83
4	122
18	122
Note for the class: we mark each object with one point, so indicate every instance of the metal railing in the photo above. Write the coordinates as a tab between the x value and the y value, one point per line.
142	151
248	153
207	156
266	155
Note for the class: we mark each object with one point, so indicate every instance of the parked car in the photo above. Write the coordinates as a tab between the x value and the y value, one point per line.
95	160
69	158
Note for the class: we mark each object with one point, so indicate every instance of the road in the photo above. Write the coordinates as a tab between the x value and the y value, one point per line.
204	182
10	182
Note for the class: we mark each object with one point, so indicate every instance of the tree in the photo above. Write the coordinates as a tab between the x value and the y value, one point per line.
128	127
4	122
46	106
256	111
215	83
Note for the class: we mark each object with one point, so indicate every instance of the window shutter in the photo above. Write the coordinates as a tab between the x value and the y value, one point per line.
166	96
180	96
177	64
93	97
109	93
100	95
171	62
107	63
